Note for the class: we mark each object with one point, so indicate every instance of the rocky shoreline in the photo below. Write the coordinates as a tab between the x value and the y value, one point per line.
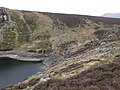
47	59
23	55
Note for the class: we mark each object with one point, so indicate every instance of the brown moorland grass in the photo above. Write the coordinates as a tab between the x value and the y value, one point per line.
104	77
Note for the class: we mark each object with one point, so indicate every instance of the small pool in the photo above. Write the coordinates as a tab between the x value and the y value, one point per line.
13	71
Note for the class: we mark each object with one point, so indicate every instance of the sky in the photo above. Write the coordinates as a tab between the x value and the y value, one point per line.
83	7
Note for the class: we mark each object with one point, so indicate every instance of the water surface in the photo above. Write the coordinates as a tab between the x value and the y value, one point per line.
12	71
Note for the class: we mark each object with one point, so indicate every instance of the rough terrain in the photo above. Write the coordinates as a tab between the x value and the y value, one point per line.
89	47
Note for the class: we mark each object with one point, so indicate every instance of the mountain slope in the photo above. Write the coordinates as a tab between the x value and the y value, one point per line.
35	31
85	42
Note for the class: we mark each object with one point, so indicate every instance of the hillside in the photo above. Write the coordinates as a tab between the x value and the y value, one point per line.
90	47
37	31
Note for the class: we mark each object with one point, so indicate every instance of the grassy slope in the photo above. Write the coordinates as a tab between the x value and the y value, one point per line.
45	32
104	77
86	42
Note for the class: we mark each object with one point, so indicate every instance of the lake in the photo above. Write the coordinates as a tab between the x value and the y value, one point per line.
13	71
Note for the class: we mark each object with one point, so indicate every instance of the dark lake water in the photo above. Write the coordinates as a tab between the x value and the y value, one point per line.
12	71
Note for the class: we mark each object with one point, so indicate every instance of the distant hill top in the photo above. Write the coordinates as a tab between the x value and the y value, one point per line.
112	15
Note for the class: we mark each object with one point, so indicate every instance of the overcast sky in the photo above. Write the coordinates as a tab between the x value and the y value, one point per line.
85	7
